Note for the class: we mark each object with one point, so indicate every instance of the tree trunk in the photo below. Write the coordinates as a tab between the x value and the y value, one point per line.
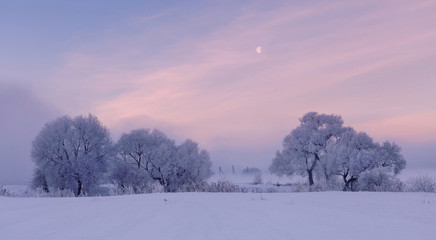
79	188
309	172
350	184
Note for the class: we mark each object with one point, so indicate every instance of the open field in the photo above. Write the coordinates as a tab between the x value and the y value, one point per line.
320	215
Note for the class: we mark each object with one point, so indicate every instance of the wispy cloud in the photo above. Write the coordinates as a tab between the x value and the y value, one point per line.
218	90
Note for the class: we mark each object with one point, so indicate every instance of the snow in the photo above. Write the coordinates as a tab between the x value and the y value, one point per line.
320	215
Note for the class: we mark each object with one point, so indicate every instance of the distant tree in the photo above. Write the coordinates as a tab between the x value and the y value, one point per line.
257	178
71	153
191	165
422	183
144	156
283	165
251	170
305	146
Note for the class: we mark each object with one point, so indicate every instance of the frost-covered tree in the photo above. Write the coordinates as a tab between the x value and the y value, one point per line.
191	165
305	146
320	146
389	156
71	153
422	183
379	180
351	155
283	165
144	156
138	158
356	153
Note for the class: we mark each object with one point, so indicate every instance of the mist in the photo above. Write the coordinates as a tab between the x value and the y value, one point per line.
23	116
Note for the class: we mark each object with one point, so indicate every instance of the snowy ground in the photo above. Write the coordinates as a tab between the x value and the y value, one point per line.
323	215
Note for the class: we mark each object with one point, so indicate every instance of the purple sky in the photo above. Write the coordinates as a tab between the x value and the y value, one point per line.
191	69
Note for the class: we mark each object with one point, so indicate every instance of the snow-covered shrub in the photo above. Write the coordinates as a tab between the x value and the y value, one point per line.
379	180
334	184
256	190
4	191
154	187
318	187
257	179
224	186
270	190
41	192
39	180
129	179
300	187
422	183
197	187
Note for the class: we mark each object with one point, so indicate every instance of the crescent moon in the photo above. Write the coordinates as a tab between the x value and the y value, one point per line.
259	49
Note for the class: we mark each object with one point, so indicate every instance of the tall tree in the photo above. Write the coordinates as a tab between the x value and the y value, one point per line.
71	154
306	145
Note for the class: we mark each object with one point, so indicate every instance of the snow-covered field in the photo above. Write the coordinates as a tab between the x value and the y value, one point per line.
321	215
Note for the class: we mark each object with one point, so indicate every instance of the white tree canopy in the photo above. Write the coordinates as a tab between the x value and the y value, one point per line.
144	156
305	146
71	153
321	145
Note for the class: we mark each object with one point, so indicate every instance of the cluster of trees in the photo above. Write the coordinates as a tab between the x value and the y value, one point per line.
143	156
322	148
77	154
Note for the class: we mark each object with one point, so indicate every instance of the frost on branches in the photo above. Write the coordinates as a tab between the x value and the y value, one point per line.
321	147
143	156
71	153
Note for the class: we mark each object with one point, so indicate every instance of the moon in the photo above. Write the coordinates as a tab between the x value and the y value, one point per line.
259	49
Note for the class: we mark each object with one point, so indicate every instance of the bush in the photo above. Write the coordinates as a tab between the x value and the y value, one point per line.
149	187
423	183
225	186
379	180
41	192
4	192
257	179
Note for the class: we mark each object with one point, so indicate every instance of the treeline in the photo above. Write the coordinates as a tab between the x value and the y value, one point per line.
77	154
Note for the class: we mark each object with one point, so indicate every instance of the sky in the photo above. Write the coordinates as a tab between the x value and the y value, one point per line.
193	69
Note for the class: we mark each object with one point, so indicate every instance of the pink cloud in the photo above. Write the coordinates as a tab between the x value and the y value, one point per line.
418	127
217	89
